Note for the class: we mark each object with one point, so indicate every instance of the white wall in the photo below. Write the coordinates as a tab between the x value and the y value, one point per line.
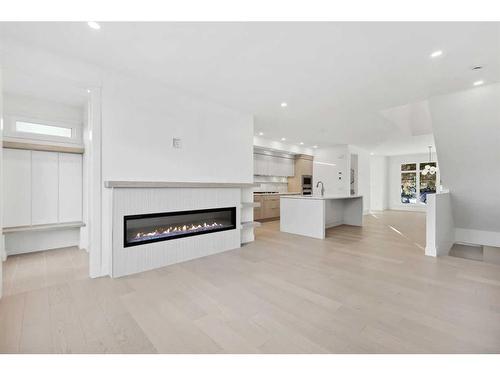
394	180
26	242
364	176
2	248
29	108
331	166
140	119
379	180
466	128
440	228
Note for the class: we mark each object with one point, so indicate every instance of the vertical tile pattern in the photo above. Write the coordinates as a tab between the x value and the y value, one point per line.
134	201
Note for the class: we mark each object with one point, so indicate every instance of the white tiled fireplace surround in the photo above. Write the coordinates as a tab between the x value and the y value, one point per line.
133	198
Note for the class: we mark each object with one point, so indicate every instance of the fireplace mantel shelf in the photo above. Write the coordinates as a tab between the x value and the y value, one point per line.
168	184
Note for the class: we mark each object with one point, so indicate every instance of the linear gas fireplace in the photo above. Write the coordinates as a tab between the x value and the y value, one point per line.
147	228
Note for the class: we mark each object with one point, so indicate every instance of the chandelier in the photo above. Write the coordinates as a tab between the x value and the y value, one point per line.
428	169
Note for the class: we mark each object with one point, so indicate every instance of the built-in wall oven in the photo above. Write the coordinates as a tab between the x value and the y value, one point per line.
306	185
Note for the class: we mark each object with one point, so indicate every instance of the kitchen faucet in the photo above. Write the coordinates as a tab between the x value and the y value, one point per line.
322	187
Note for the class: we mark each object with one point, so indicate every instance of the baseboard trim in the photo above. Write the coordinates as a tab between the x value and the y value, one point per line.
478	237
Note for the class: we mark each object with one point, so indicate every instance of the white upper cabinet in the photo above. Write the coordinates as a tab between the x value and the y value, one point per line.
44	187
261	164
290	167
70	187
269	165
16	187
41	187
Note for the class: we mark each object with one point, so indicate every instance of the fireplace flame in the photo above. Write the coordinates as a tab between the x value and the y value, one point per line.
183	228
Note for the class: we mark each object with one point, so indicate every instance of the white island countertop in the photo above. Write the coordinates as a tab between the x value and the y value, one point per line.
319	197
311	215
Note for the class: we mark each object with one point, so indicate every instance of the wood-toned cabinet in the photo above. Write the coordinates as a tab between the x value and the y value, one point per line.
303	167
269	207
257	211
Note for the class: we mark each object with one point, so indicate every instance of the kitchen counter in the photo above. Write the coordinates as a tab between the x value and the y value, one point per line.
280	194
319	197
311	215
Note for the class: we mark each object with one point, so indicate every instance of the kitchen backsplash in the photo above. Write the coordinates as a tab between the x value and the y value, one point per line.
271	183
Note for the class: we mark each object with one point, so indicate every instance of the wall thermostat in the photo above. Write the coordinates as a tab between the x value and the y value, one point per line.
176	143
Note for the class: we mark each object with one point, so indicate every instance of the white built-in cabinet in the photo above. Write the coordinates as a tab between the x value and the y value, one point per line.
41	187
44	187
70	187
271	165
16	188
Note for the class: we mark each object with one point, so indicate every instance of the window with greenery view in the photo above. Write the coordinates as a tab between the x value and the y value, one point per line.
415	185
427	184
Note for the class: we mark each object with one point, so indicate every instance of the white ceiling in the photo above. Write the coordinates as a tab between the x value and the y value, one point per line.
42	87
342	81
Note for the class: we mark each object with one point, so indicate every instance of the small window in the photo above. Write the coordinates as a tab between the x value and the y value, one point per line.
29	127
409	167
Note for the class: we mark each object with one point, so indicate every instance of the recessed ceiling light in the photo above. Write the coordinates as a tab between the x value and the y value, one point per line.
372	153
284	104
478	83
436	53
283	139
301	143
260	133
315	146
88	91
94	25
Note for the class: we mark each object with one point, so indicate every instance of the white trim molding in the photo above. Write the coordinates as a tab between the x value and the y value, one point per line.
477	237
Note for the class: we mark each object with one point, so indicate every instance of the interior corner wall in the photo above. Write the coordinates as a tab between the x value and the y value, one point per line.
394	180
466	128
364	176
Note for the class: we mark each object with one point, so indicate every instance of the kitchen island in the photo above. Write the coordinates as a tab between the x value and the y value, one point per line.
312	215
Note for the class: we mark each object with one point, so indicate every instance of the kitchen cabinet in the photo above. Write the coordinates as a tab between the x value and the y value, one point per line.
269	207
257	211
262	165
303	166
271	165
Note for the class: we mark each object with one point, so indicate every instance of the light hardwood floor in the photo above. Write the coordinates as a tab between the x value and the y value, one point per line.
362	290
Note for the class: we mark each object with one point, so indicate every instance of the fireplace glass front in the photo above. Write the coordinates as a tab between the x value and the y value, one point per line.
147	228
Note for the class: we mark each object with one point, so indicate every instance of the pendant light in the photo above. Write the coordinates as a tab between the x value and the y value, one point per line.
428	169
